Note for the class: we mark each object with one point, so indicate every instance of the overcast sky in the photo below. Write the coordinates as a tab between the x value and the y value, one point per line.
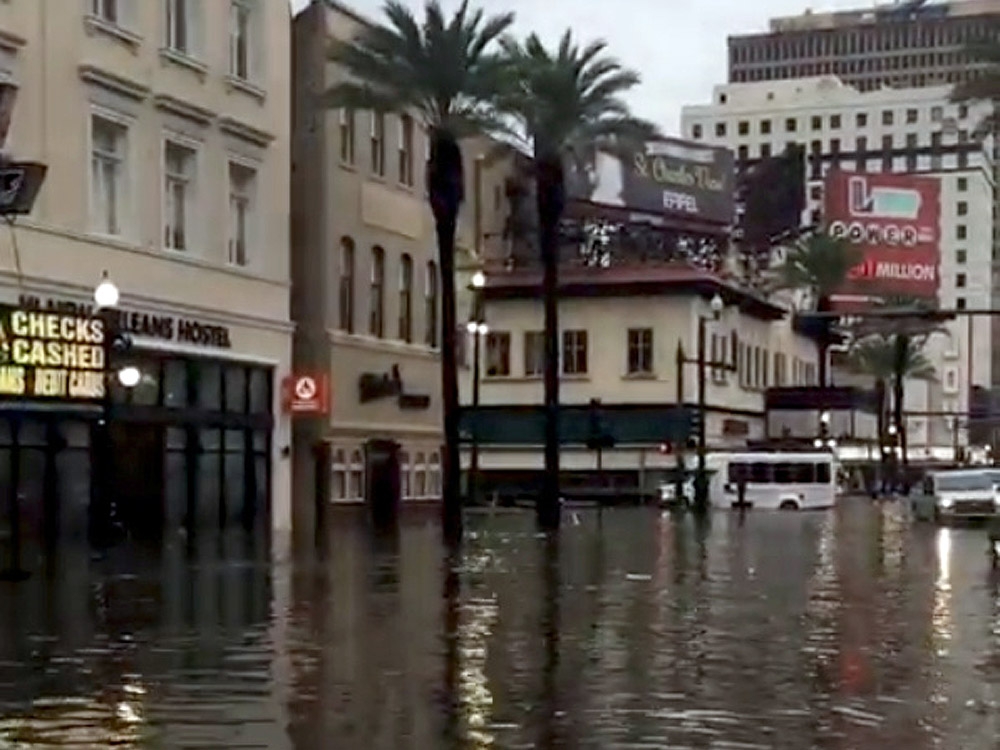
679	48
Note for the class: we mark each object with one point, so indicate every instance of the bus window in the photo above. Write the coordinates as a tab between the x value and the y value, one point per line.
760	473
823	473
737	470
804	474
784	473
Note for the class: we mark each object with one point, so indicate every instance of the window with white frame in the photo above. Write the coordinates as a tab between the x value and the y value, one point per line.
419	476
179	164
108	160
433	475
338	469
347	119
431	304
240	29
242	186
406	150
107	10
378	143
180	19
405	487
356	476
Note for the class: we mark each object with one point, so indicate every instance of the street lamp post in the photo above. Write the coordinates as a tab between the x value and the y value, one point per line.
106	297
477	328
701	478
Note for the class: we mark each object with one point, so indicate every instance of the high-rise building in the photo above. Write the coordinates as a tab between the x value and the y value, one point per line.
901	44
915	130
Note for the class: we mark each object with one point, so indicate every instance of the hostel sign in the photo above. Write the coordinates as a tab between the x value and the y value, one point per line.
48	355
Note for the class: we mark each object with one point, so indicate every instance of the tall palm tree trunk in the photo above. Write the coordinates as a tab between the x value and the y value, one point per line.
551	201
902	347
445	187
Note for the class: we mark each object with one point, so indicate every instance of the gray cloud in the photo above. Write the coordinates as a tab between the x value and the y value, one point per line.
679	49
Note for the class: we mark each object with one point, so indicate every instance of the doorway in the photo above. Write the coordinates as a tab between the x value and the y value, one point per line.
383	481
137	477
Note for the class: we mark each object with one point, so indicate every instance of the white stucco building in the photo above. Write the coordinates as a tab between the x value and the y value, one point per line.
914	130
620	331
165	128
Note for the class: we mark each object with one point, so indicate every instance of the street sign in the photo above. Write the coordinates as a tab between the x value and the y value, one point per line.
306	394
20	182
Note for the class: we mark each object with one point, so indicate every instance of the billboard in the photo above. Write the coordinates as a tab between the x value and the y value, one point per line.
666	177
896	221
49	355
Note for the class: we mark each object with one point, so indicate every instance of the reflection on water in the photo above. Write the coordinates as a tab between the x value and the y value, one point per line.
638	629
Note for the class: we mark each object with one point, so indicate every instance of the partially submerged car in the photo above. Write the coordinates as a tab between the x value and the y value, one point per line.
966	495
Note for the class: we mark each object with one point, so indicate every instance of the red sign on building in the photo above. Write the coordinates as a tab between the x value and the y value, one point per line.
306	394
896	220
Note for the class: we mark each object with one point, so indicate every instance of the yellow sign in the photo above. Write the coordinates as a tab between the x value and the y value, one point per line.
51	355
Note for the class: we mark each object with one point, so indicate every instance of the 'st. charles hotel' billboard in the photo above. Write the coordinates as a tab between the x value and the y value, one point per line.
895	219
668	177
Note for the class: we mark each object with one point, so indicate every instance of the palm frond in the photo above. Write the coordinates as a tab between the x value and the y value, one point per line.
443	68
569	102
883	356
818	263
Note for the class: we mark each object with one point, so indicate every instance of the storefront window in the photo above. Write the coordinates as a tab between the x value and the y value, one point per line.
356	486
209	478
419	477
209	386
234	474
147	392
338	469
260	391
175	383
175	477
236	389
404	474
434	476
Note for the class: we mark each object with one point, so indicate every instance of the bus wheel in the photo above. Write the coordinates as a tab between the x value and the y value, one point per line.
788	505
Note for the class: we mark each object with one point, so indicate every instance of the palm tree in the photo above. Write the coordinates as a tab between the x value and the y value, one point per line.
447	73
567	106
819	264
894	357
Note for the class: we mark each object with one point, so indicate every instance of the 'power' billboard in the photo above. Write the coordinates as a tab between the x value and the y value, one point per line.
896	221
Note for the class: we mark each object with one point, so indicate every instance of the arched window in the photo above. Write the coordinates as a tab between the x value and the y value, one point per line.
345	285
356	486
405	489
431	305
434	475
376	294
419	477
406	298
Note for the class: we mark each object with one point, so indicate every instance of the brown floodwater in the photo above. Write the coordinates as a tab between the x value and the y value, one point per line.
854	628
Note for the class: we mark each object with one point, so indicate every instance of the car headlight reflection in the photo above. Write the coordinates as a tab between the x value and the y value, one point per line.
946	503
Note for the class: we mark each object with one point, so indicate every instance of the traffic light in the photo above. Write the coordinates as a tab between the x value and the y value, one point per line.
695	425
599	436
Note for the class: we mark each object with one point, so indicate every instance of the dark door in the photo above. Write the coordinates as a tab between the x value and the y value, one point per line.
382	480
137	477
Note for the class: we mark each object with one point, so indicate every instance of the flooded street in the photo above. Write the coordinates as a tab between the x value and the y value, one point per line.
848	629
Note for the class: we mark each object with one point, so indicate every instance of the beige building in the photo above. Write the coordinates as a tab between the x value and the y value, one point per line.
367	283
165	128
620	330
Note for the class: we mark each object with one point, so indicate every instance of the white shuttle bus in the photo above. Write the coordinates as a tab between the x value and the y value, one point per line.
774	481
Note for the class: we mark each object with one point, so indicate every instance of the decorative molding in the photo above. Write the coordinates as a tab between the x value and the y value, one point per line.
167	54
10	41
184	109
95	25
245	132
234	83
119	84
